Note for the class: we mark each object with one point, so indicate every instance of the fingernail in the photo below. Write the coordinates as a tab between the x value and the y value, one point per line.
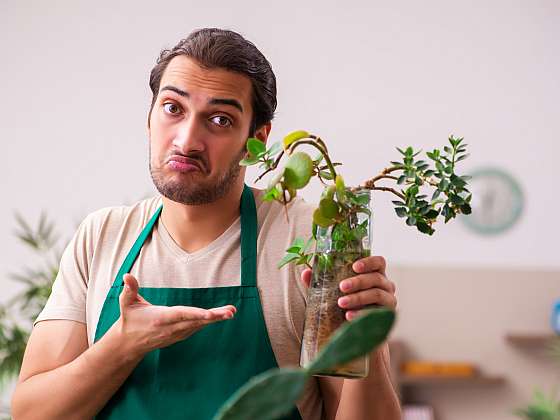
359	266
346	285
343	301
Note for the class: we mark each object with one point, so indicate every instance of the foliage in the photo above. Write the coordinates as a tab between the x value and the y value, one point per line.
541	408
339	205
17	315
275	392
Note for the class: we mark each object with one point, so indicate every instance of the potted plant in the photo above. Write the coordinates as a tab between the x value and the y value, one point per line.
341	222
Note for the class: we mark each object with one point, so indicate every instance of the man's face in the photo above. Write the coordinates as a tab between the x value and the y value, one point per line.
198	128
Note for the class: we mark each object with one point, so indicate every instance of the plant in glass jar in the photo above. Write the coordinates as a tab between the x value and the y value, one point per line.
341	222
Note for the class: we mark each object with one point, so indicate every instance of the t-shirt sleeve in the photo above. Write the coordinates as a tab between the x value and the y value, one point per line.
68	296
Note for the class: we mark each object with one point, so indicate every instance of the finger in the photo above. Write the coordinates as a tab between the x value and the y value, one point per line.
367	281
130	290
174	314
369	264
224	312
306	277
375	296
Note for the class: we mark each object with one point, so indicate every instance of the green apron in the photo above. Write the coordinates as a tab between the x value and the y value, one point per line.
191	379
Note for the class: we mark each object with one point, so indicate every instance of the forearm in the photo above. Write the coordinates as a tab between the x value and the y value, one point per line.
371	398
79	389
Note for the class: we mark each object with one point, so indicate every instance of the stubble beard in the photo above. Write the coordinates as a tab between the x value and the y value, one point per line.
187	189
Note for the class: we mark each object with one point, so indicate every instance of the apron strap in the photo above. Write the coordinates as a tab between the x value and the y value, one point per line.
249	226
135	250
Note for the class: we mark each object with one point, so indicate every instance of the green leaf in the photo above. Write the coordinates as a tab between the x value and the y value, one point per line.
329	209
275	149
249	161
411	221
294	136
255	147
466	209
424	228
401	211
401	151
326	175
320	220
340	189
267	396
354	339
298	170
398	203
432	214
401	179
288	258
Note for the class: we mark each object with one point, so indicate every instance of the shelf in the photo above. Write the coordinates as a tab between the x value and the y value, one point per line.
423	380
531	339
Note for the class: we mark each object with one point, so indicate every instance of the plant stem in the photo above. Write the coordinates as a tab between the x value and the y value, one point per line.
314	142
273	167
398	194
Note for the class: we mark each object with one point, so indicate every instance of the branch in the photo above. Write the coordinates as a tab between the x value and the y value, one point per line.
273	167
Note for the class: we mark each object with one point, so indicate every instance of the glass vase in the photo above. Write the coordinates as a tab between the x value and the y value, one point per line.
337	248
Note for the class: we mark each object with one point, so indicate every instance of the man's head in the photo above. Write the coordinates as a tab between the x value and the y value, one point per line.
211	92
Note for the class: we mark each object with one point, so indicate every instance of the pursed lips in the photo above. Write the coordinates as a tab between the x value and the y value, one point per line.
183	162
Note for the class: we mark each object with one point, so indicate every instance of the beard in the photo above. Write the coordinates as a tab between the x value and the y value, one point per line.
190	189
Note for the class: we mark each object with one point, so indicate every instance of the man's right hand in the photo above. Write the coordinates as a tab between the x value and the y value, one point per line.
144	327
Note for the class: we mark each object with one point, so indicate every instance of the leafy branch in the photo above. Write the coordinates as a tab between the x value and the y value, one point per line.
412	181
17	315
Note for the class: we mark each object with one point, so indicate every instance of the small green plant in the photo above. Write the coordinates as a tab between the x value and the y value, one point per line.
17	315
275	392
542	407
412	179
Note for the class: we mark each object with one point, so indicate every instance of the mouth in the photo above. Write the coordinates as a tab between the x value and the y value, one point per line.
184	164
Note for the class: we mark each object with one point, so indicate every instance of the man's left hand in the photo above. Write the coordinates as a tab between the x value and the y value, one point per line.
370	286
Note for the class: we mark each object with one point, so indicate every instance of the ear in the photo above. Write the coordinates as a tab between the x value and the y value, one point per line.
263	131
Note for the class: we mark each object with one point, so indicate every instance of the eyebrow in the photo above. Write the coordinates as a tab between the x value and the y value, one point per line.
214	101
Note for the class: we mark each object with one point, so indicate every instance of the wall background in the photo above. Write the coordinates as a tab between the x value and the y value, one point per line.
367	76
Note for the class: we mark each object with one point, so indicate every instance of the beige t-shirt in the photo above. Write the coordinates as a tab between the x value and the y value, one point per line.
92	259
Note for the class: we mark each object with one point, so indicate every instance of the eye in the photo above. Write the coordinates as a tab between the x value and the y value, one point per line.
221	121
171	108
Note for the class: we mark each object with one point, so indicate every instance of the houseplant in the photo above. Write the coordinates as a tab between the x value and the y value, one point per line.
341	223
340	235
18	313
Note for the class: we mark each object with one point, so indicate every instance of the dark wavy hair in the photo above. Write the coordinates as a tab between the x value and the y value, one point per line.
225	49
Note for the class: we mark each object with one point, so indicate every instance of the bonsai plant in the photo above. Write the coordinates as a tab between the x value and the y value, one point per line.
341	223
340	235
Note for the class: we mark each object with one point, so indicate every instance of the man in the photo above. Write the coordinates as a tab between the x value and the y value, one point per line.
116	339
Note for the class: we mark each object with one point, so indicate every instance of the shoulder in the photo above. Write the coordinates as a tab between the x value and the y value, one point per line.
108	221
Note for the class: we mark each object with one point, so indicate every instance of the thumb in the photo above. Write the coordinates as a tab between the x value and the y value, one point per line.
306	277
129	293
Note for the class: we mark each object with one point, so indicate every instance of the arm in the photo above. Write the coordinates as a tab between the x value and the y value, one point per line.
62	378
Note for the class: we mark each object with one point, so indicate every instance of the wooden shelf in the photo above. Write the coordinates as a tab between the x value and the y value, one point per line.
423	380
530	339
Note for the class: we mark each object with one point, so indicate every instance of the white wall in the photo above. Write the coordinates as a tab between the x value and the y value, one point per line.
367	76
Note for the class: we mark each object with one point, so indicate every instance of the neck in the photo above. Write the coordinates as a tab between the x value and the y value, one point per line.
195	227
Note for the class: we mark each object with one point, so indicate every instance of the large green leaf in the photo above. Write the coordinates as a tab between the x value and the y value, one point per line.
298	170
255	146
354	339
265	397
294	136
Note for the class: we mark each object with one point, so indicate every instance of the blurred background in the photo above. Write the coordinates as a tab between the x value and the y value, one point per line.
367	76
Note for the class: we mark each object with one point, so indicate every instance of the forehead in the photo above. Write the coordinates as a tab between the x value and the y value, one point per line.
186	74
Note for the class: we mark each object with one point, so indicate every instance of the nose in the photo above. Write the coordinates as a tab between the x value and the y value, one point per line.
189	137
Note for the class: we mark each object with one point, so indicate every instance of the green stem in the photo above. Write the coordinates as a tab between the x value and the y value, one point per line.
314	143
